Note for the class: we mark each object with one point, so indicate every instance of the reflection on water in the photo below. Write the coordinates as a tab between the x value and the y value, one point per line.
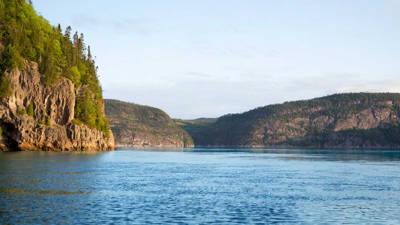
217	186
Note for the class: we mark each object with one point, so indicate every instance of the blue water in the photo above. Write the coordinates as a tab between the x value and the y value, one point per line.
204	186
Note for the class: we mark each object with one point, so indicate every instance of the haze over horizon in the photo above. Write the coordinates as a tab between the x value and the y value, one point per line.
206	58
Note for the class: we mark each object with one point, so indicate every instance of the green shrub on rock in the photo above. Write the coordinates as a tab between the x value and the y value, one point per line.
5	87
29	110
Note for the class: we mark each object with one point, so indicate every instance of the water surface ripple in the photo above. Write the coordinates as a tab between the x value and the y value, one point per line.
204	186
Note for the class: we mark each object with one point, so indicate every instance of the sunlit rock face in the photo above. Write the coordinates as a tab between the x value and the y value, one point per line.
48	125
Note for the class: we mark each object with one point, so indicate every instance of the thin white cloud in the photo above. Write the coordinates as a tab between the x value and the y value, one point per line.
345	83
121	25
388	85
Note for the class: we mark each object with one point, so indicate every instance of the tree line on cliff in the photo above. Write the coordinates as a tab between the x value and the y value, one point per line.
24	35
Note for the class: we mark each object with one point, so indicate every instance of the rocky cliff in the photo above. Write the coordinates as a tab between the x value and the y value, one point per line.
50	94
142	126
41	117
356	120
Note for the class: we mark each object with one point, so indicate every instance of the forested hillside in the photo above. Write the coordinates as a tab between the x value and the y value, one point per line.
143	126
356	120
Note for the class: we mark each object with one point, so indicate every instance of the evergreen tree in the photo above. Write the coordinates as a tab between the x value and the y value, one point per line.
26	36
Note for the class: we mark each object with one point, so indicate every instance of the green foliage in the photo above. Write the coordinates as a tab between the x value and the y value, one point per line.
48	122
21	112
28	36
74	75
11	58
1	132
77	122
85	110
137	113
29	110
5	87
90	112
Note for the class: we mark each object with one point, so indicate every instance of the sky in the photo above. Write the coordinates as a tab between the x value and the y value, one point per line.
207	58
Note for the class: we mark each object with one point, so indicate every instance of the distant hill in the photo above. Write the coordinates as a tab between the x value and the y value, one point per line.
143	126
197	129
204	120
354	120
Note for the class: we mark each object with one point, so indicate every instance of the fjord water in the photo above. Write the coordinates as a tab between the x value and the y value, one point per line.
201	186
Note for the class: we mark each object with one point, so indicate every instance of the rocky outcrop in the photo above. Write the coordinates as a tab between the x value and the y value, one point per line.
39	117
137	126
146	138
355	120
327	131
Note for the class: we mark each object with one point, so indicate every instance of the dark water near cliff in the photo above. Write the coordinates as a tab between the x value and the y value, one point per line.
142	187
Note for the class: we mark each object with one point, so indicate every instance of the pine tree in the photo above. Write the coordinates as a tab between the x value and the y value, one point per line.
26	36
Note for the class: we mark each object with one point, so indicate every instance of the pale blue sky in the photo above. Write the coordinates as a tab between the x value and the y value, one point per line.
208	58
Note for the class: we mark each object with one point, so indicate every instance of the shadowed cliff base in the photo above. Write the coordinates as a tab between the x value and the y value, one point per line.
7	142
